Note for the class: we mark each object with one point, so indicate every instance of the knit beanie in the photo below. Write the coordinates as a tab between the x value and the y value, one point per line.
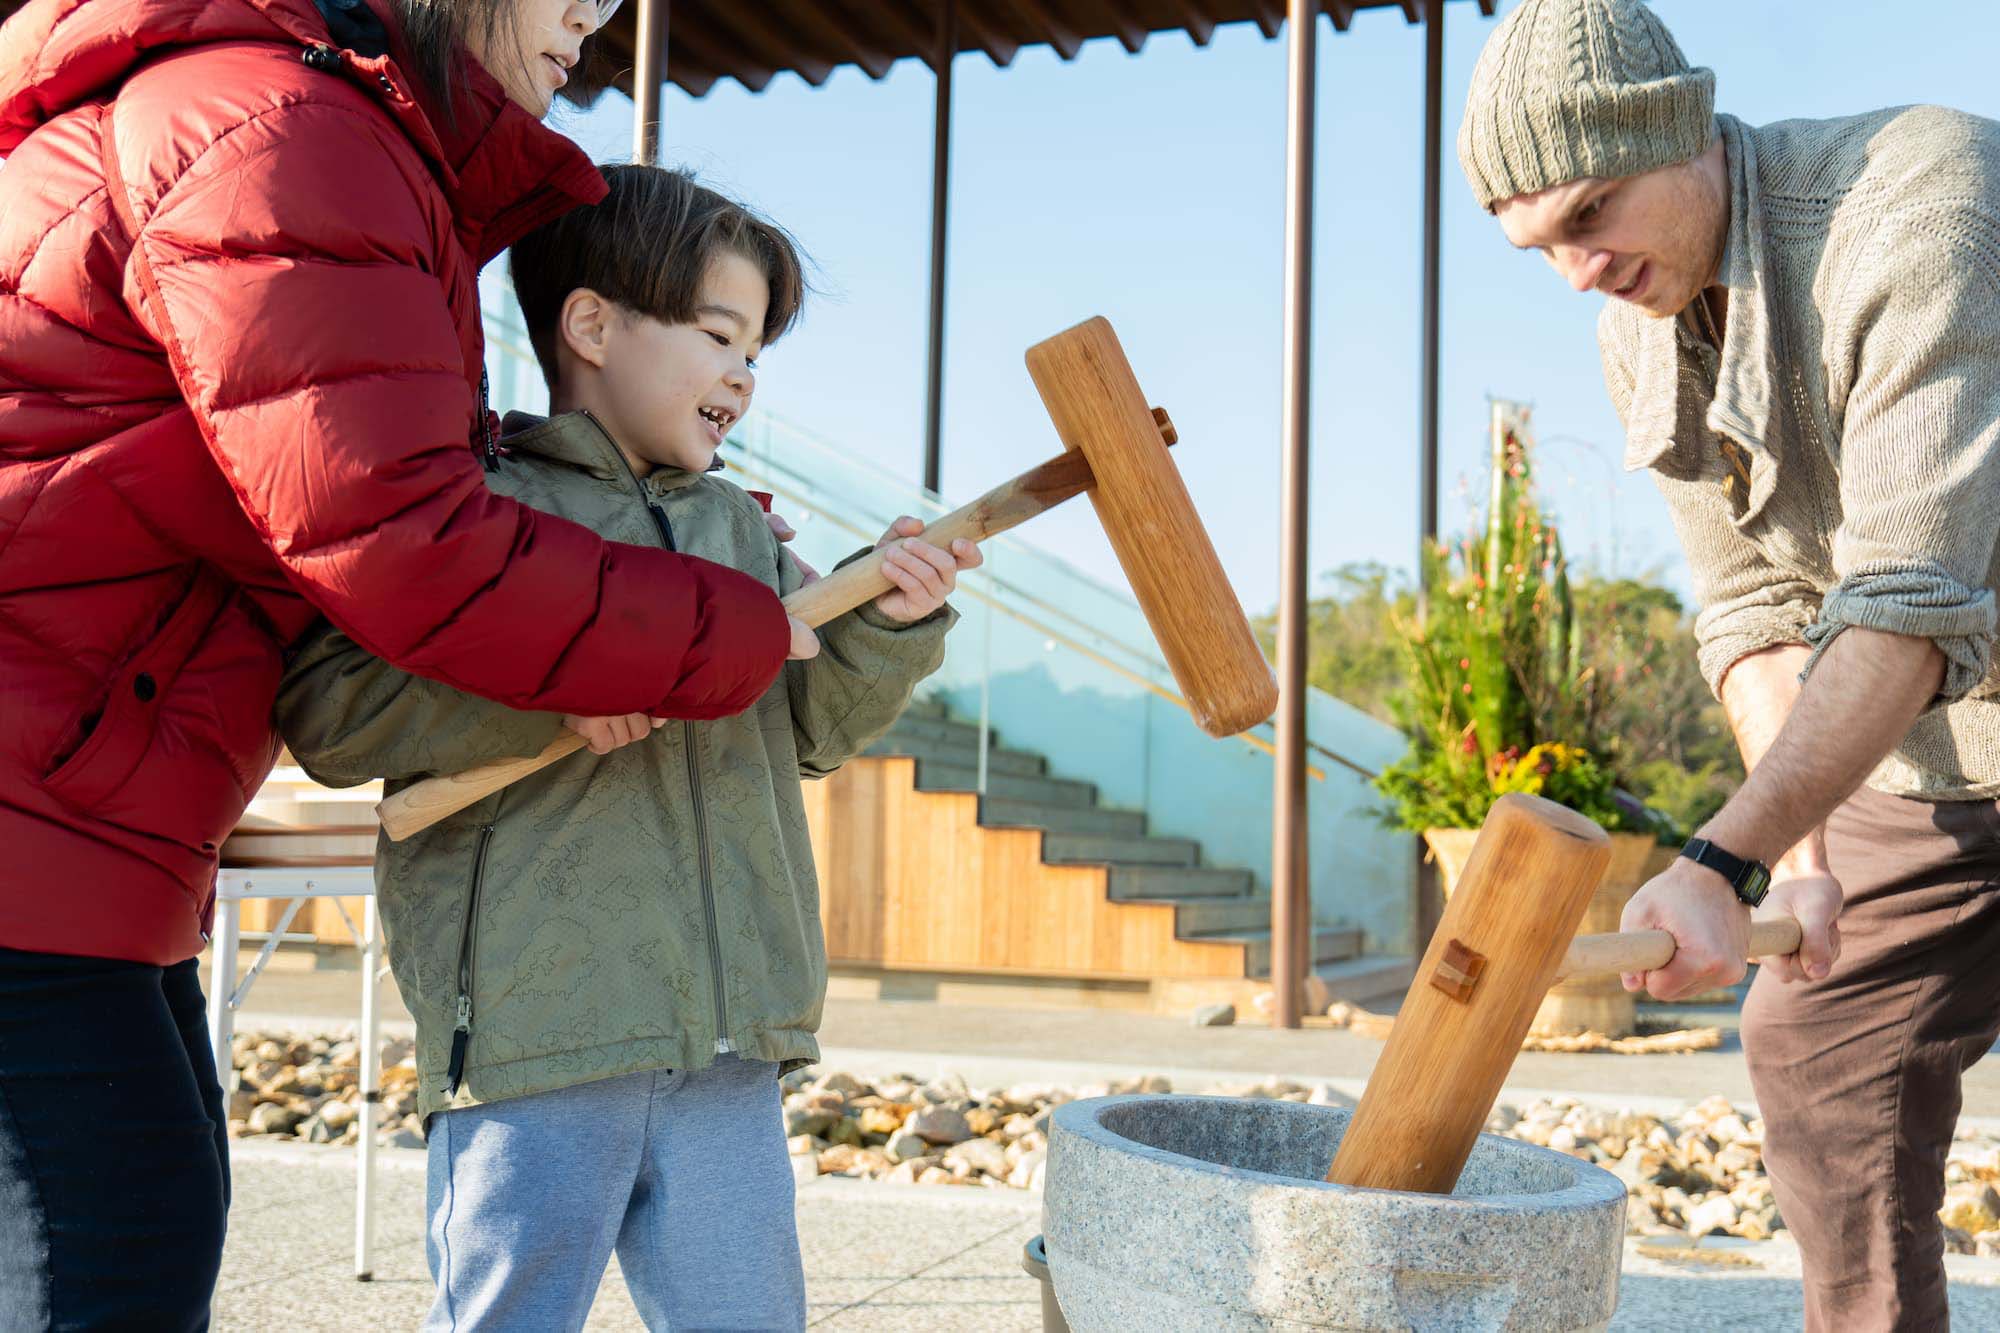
1572	88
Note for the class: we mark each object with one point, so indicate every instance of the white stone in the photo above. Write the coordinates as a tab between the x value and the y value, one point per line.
1717	1214
1027	1169
979	1154
841	1085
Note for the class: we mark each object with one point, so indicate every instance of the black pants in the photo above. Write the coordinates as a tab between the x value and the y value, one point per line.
114	1157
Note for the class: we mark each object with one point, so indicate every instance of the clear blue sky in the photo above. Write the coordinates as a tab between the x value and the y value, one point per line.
1150	189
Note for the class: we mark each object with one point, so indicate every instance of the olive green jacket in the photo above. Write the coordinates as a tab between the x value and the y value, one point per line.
641	910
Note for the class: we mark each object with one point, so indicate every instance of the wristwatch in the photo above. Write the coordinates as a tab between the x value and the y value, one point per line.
1750	879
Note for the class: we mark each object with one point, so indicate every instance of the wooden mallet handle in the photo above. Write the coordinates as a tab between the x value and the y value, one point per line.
422	804
1649	950
1492	959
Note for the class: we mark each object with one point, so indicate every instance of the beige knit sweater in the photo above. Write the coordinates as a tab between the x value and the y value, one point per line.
1837	462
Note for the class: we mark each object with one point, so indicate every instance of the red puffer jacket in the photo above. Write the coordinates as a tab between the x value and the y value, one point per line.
259	409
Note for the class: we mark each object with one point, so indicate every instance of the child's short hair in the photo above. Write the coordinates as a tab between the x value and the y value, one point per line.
647	245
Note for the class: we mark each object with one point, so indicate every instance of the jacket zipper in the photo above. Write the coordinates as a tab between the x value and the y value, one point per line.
722	1045
689	741
461	1035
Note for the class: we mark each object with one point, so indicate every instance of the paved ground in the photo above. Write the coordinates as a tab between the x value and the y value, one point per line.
887	1257
878	1257
999	1046
883	1258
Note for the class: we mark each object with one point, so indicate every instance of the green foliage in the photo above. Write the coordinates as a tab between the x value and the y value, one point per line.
1656	727
1524	678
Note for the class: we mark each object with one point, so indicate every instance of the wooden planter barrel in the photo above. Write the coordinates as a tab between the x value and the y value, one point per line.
1572	1007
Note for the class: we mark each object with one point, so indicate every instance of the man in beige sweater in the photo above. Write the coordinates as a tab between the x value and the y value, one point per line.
1803	342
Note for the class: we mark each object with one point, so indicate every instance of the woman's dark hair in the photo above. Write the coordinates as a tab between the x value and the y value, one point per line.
647	246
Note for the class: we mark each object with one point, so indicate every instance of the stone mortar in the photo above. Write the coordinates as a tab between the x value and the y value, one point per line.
1168	1213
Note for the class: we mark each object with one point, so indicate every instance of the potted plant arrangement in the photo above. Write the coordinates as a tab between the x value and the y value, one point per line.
1506	691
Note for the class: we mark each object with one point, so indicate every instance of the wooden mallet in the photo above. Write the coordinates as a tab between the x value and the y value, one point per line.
1505	938
1115	447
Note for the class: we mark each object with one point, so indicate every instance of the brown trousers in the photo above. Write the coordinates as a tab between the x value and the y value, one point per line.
1857	1076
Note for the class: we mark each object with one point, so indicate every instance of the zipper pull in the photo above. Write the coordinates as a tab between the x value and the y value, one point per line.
461	1036
489	439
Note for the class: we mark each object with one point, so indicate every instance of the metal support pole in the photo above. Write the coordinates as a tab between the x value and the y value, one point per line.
371	1090
1291	870
648	73
947	47
1429	906
1427	499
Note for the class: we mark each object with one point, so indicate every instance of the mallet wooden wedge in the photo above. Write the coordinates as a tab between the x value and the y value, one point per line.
1116	449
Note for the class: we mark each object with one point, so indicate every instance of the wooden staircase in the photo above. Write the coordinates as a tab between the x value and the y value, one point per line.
1033	892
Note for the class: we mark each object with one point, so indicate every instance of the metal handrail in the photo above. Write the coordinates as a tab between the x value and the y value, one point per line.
778	488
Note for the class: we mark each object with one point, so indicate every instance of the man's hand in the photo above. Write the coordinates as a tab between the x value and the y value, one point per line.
924	575
805	643
1815	899
606	734
1710	926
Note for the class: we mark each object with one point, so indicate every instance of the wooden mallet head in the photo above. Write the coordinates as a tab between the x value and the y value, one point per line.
1099	411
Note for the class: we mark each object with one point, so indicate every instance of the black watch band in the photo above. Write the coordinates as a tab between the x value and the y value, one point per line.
1750	879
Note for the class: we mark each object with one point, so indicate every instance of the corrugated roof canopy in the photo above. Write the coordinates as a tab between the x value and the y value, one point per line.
753	41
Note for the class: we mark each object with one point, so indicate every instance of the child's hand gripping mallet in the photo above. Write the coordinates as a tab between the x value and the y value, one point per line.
1116	449
1508	934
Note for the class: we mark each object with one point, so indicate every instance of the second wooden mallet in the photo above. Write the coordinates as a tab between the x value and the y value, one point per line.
1116	450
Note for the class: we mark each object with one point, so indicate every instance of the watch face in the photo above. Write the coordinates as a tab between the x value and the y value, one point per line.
1756	884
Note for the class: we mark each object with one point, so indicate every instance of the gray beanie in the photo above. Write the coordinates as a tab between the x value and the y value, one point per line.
1572	88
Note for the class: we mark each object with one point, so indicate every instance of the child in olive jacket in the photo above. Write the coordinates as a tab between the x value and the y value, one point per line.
611	961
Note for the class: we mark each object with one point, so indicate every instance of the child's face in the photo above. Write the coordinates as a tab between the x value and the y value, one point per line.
670	392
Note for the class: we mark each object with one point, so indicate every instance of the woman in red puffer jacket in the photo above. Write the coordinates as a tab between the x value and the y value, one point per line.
240	387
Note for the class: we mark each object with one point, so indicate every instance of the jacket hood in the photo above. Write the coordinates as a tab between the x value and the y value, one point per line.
504	172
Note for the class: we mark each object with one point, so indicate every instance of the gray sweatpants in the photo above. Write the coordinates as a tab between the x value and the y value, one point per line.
686	1176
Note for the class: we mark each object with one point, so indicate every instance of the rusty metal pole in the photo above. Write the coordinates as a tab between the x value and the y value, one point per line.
1429	904
1427	485
1291	868
649	71
947	47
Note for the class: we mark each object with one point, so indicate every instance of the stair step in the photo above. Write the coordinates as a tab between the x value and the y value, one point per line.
1043	791
1331	947
936	731
1142	882
1104	849
1370	977
1016	763
1224	914
997	811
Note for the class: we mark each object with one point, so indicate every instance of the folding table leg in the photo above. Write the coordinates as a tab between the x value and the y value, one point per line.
222	982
